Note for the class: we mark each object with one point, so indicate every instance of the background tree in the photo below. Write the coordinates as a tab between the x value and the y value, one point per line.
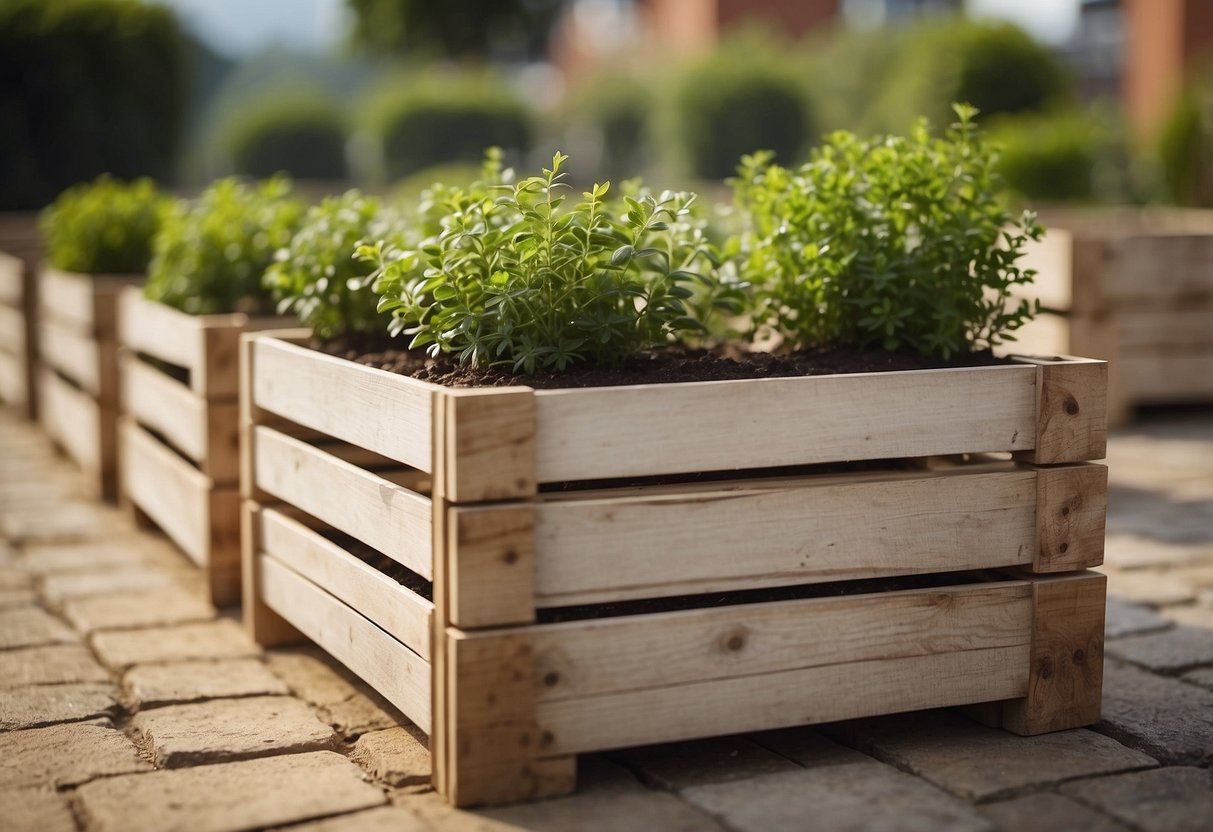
468	28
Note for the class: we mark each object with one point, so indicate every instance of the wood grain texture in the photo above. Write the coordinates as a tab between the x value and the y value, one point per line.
164	404
1066	682
161	331
1072	506
383	412
490	444
84	302
684	540
388	517
593	433
1071	411
398	673
492	566
400	612
266	627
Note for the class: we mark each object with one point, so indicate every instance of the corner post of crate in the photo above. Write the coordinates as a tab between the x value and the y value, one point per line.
1071	411
220	351
265	626
1071	513
1065	676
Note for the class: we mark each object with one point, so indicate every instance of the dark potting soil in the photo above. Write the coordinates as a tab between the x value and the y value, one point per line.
664	366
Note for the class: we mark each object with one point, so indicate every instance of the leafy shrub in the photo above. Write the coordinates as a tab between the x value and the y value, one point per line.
1186	148
302	135
902	243
89	86
735	102
425	122
318	279
104	227
515	277
996	67
210	254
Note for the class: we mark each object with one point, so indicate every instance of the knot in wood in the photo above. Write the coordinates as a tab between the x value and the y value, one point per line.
511	556
551	679
1071	406
734	640
1044	667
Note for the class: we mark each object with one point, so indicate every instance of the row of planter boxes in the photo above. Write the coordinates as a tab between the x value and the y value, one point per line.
521	621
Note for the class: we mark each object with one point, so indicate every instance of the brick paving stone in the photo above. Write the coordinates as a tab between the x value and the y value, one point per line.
221	639
1172	651
32	627
12	577
1202	677
872	797
1170	720
124	610
150	685
389	819
1048	813
808	748
395	756
85	556
62	586
229	797
343	700
980	763
65	755
1148	587
222	730
49	666
61	521
1132	551
31	707
679	765
1199	615
1177	799
35	810
1124	618
10	598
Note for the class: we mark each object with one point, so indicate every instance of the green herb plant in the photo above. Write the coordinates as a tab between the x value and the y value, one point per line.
904	243
520	275
317	278
103	227
211	254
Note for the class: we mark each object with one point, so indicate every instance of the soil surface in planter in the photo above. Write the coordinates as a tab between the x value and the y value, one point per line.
667	366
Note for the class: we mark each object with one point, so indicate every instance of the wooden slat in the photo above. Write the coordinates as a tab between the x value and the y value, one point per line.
67	298
399	674
73	420
396	521
593	433
72	353
12	330
12	277
828	528
580	659
164	404
399	611
167	488
161	331
1163	378
490	444
1184	327
1071	513
383	412
12	379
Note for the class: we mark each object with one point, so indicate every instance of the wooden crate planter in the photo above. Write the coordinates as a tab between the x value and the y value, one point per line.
509	697
14	353
178	434
78	376
1135	289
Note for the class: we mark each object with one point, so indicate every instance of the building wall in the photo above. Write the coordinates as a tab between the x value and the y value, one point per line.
1166	39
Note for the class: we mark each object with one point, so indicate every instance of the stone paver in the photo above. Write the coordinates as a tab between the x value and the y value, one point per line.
32	627
31	707
60	587
229	729
806	747
124	610
86	556
49	666
1171	651
251	794
1048	813
1125	618
395	756
1167	800
383	819
13	578
1199	615
680	765
1202	677
1168	719
35	810
161	684
1148	587
1131	551
65	755
980	763
342	700
871	797
23	597
222	639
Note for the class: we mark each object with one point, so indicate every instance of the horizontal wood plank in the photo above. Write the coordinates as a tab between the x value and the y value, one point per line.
592	433
827	528
67	299
160	331
399	674
167	488
403	614
383	412
164	404
386	516
1167	378
74	354
72	418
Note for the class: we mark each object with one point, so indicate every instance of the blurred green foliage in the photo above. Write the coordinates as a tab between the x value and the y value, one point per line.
1185	147
103	227
737	100
89	86
300	133
511	29
211	253
617	109
423	121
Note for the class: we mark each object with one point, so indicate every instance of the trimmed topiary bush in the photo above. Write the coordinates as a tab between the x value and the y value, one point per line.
300	134
103	227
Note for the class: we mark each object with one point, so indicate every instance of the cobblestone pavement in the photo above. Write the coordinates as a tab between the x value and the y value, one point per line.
128	703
